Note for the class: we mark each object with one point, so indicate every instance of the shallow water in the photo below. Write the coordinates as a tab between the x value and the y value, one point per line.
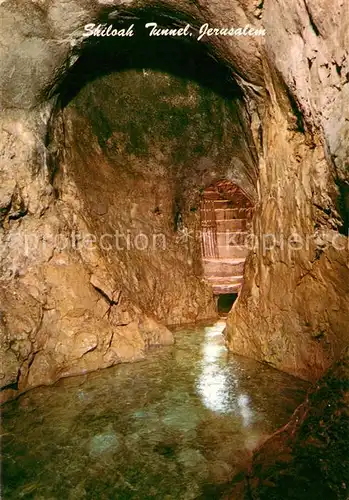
178	425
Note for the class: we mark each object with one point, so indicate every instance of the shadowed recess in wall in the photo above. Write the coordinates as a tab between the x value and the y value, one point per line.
343	206
180	56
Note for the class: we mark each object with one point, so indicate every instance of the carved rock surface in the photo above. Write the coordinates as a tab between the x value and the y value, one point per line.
308	457
66	308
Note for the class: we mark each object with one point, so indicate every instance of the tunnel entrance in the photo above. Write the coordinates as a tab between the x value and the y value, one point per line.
226	213
138	133
225	303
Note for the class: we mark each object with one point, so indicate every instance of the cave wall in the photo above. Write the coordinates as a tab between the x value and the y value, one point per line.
293	309
307	458
138	148
127	154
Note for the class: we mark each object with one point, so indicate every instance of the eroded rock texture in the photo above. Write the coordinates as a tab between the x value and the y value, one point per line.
100	196
138	148
293	310
77	161
308	457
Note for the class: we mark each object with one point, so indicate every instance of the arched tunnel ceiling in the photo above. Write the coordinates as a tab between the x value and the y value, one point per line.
139	130
181	56
71	310
57	38
176	93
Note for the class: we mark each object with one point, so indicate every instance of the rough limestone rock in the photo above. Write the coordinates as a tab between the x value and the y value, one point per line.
308	458
69	175
293	309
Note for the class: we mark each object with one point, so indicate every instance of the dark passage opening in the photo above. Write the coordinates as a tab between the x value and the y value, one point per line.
102	56
225	302
343	206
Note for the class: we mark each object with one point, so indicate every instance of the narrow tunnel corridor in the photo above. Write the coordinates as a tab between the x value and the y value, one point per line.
174	249
138	135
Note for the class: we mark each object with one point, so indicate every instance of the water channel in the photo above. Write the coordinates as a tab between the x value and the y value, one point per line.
178	425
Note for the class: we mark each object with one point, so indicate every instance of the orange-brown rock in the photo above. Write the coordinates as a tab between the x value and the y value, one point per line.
104	135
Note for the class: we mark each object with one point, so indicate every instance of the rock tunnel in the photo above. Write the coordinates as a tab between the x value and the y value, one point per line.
141	129
129	161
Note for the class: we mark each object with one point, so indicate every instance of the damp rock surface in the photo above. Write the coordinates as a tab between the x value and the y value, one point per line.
308	457
179	424
291	142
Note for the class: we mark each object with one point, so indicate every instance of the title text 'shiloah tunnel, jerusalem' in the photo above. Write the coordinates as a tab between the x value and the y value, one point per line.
110	147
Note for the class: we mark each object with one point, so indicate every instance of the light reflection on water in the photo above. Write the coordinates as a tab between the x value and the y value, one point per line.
212	382
175	426
219	387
